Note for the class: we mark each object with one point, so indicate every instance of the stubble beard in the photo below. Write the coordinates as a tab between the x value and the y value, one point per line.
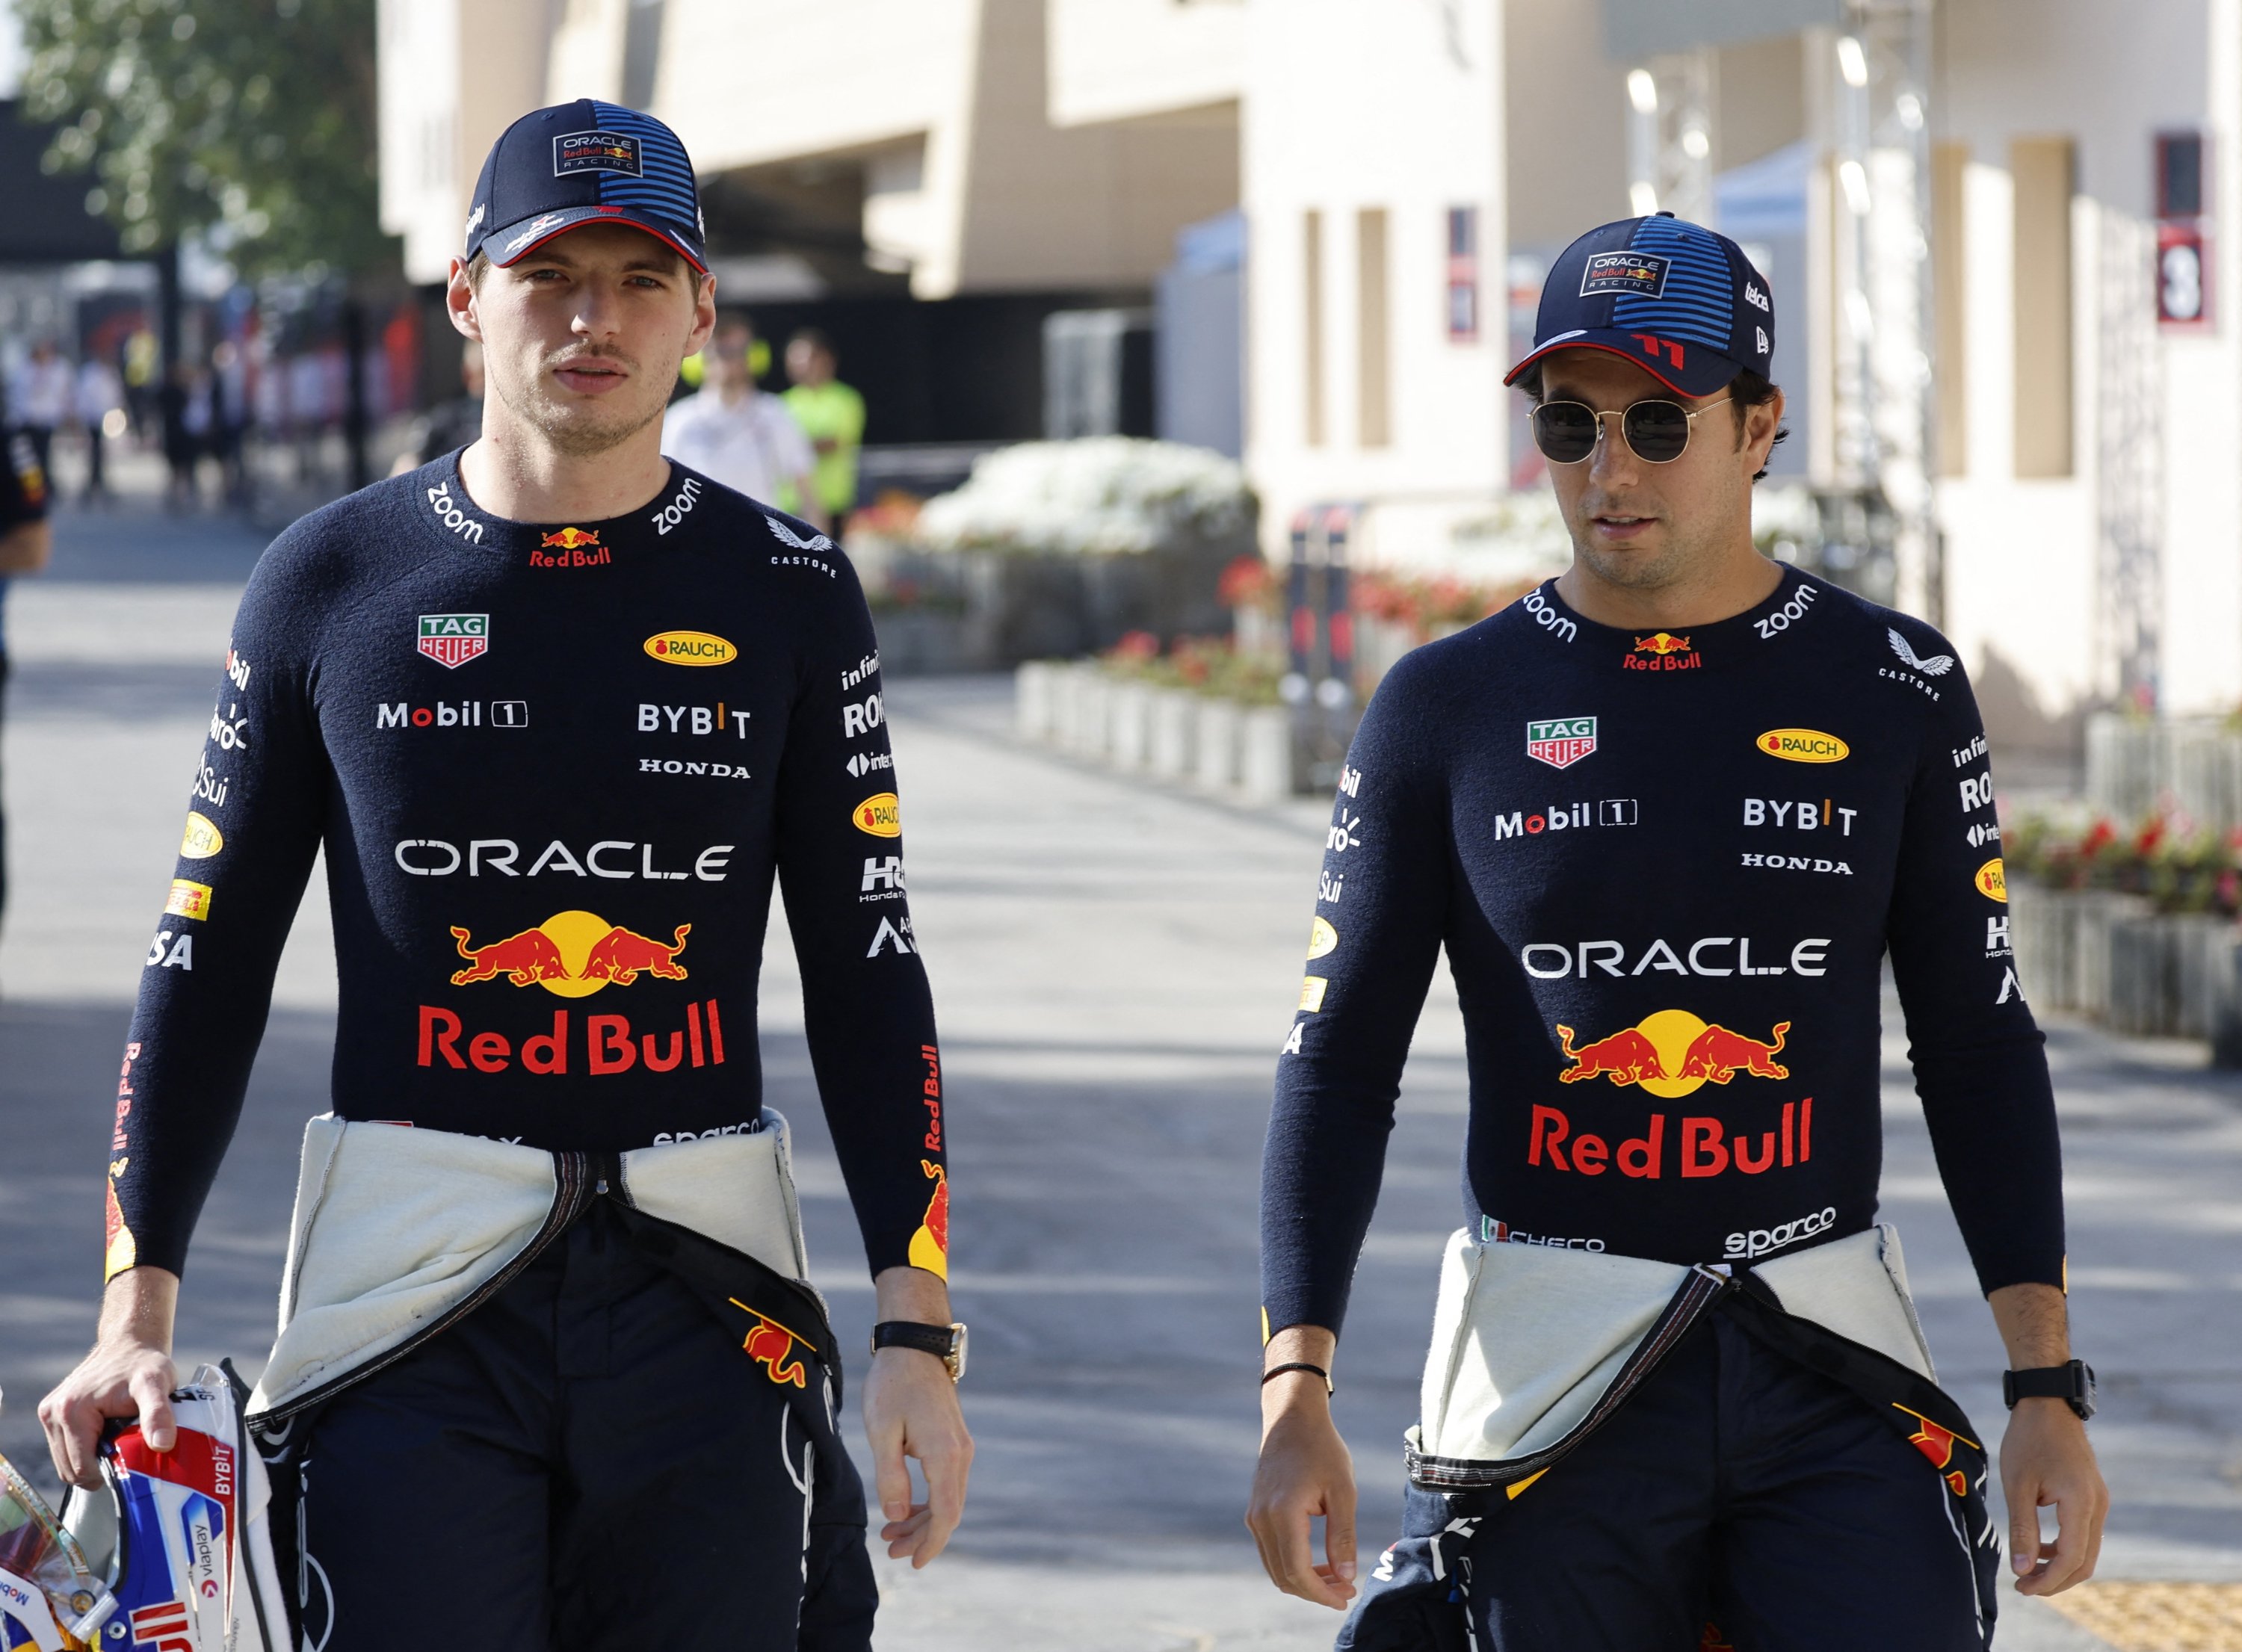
582	430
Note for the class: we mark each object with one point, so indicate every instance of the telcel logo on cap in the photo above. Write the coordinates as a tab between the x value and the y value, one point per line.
595	151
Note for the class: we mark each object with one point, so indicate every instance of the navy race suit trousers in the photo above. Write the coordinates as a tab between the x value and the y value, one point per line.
1736	1500
590	1461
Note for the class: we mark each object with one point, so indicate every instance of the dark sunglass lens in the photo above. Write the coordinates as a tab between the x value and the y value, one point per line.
1564	431
1657	431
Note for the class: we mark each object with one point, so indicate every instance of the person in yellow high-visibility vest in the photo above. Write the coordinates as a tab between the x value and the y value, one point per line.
832	415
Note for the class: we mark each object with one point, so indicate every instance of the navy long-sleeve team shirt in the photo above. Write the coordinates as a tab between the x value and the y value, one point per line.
554	768
1666	869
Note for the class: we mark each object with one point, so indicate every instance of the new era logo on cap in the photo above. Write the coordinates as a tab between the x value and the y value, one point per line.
1678	299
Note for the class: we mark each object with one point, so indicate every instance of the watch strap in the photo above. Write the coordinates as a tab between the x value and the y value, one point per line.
940	1341
2072	1382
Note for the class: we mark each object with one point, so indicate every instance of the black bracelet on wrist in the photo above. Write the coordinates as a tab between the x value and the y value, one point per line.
1297	1365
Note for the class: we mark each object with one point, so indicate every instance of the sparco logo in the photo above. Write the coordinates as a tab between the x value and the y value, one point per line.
1760	1241
449	513
1546	615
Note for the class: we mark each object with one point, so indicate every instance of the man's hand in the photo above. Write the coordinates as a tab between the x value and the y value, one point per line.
2045	1458
910	1410
128	1374
1304	1470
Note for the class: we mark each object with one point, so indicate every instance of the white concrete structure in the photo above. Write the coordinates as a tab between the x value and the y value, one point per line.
2155	414
1366	129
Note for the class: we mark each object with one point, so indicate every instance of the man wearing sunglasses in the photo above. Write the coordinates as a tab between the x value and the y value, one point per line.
1667	815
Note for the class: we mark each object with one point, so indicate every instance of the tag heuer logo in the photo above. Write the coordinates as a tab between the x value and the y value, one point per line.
454	639
1560	741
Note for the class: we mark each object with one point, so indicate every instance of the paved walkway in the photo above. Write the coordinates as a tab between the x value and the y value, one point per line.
1113	966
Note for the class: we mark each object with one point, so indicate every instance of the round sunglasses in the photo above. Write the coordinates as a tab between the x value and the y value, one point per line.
1657	431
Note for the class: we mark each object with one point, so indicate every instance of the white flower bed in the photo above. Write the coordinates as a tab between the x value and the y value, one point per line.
1096	496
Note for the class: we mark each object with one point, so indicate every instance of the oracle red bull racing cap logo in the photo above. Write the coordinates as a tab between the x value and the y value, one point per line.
572	954
1671	1053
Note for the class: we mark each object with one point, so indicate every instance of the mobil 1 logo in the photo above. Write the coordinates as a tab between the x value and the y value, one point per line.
1565	816
452	713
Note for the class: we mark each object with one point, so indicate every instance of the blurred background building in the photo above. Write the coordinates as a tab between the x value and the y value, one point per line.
1310	232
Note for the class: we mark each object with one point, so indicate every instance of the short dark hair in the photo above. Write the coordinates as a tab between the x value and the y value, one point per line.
1746	390
815	338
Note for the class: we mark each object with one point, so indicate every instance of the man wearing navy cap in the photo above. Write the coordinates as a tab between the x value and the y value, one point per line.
1666	816
560	712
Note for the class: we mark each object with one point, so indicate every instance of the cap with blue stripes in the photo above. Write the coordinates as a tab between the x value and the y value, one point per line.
586	162
1679	300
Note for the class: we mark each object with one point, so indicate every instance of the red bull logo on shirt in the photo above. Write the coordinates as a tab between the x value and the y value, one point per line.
1667	652
571	548
572	954
1672	1052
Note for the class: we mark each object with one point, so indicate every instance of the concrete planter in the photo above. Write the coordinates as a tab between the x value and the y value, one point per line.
1255	753
2108	957
1130	726
1268	754
2170	976
1216	743
1089	727
1175	733
1035	700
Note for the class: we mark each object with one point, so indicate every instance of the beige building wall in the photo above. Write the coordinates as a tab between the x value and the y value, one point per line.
2028	560
451	76
945	106
1116	60
1364	123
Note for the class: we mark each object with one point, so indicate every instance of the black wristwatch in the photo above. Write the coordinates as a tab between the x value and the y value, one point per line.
2073	1384
945	1342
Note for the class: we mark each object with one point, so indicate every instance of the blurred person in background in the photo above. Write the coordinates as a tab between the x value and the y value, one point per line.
448	425
100	393
566	1344
26	542
229	403
42	399
182	452
832	415
1678	1381
740	434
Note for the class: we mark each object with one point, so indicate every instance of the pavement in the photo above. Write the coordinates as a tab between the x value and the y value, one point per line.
1113	966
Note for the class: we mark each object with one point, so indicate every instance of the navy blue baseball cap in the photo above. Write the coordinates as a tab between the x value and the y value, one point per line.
1680	301
557	169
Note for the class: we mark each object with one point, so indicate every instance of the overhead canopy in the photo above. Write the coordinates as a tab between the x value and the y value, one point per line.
1638	29
44	212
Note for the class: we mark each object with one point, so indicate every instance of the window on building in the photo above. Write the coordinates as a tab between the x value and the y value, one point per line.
1949	239
1373	368
1463	274
1311	355
2042	170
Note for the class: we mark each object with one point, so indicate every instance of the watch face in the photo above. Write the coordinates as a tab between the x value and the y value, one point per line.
957	1361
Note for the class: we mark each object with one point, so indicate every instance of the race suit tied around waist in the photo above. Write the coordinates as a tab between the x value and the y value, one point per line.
397	1231
1534	1346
